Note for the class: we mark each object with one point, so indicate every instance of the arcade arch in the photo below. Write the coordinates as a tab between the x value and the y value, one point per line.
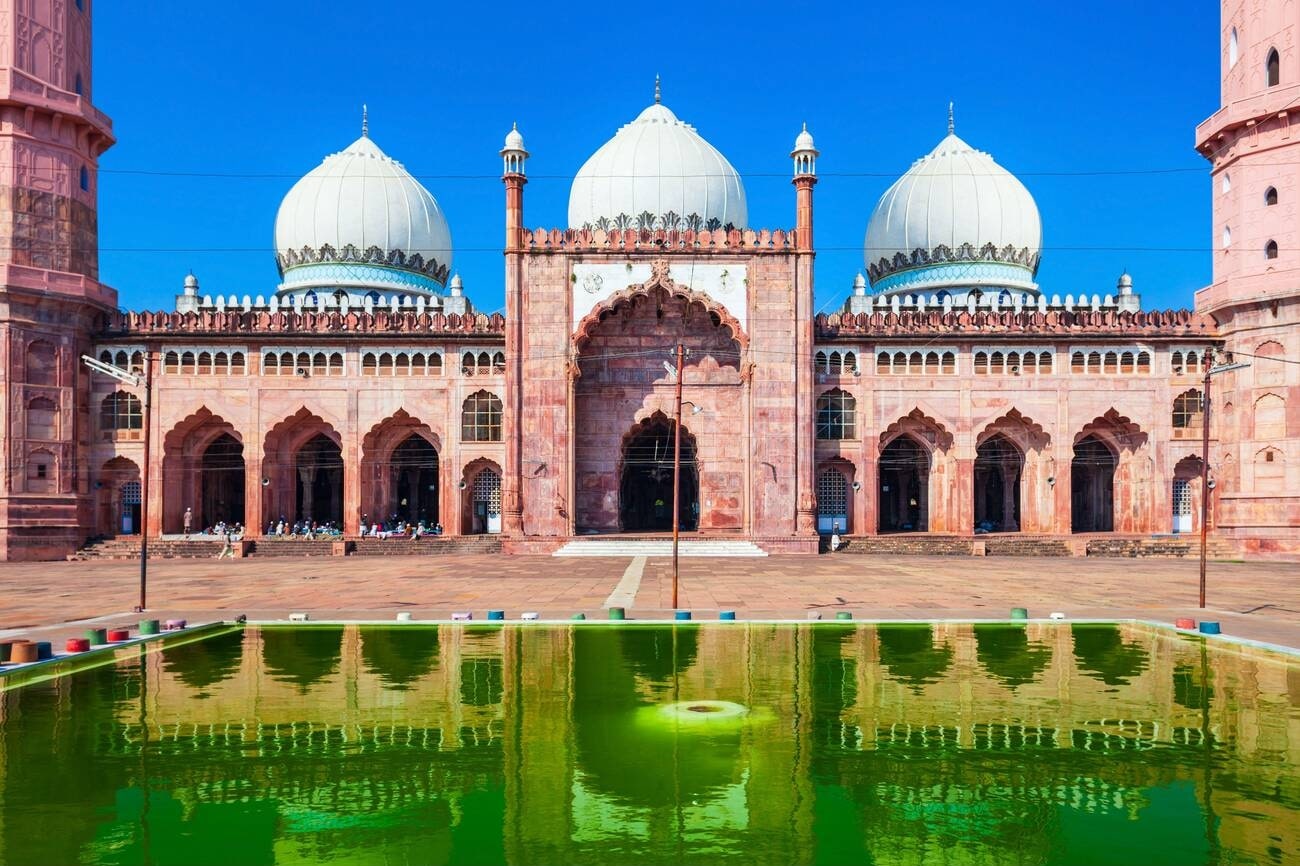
303	468
400	471
203	470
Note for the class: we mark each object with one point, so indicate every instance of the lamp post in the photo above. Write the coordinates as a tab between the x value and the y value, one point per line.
677	466
135	380
1210	370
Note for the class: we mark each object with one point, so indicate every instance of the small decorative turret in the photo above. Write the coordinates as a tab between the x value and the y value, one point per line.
513	154
188	300
804	154
456	302
860	301
1127	300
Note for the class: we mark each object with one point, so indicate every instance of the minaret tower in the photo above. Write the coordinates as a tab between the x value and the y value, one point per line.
805	178
1255	297
514	156
51	137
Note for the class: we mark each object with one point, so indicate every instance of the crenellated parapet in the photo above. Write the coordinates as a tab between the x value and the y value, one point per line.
620	240
1030	322
252	322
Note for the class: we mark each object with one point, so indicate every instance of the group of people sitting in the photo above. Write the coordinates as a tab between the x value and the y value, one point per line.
395	527
308	529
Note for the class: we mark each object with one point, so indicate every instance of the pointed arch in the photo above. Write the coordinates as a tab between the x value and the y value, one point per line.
203	470
481	494
927	430
302	467
1112	484
659	288
401	471
645	476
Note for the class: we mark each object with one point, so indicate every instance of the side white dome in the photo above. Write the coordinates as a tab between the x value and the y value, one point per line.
360	220
955	219
657	170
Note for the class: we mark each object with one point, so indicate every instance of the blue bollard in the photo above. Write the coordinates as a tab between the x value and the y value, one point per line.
1209	627
496	614
682	615
727	615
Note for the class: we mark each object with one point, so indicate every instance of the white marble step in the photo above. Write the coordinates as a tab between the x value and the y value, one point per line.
657	547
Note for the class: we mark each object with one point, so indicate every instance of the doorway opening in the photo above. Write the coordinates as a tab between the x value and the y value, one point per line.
645	500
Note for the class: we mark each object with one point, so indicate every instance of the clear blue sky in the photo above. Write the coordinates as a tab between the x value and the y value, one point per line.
265	88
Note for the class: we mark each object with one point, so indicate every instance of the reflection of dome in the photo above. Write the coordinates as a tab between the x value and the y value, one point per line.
360	220
657	170
955	220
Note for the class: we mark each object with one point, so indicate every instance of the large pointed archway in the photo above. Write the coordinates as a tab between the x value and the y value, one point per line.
998	466
904	490
1012	476
625	354
303	467
202	470
401	470
645	497
1111	484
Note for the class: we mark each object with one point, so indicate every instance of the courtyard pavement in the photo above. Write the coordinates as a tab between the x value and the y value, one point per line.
1258	600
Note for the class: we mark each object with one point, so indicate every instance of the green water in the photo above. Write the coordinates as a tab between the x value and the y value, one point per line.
952	744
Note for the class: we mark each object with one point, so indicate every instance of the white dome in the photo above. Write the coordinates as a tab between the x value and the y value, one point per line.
659	166
955	219
360	220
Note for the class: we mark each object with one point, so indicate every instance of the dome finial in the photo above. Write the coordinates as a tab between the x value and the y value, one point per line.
951	126
658	93
365	121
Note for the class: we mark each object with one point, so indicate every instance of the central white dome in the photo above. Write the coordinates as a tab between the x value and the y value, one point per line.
955	219
360	220
657	172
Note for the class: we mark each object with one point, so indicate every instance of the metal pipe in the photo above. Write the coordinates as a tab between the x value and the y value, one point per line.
144	477
677	468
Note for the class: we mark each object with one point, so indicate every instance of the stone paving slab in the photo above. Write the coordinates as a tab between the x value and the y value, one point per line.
1260	600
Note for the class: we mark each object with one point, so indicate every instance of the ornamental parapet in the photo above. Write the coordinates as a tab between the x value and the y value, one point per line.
354	323
658	240
1099	323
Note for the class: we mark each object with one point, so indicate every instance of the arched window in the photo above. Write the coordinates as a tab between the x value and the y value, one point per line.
882	364
41	413
1272	69
1227	237
1270	250
77	87
1270	196
467	365
480	418
499	362
835	415
1268	364
435	364
369	364
1232	48
187	363
1077	363
820	364
1187	409
41	363
336	364
121	411
85	179
850	363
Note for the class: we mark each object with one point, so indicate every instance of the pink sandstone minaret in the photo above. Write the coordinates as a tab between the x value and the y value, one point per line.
51	137
805	178
514	157
1255	296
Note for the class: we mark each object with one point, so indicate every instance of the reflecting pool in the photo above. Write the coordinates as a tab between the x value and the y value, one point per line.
1043	743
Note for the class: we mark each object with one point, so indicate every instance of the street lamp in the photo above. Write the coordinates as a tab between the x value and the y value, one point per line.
676	373
1210	370
135	380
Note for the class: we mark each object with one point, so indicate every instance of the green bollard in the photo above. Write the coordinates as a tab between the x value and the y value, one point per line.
1019	613
583	616
843	614
616	613
148	626
97	636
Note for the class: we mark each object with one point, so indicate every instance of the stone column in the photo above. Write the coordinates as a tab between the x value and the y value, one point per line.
1010	484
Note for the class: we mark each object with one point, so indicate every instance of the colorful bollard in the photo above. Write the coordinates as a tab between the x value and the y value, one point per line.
616	613
1185	622
727	615
1019	613
44	650
174	624
6	649
24	652
148	626
1209	628
843	614
96	636
681	615
584	616
496	614
117	635
76	645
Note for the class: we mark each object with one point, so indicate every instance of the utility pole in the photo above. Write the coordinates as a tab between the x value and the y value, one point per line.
135	380
677	468
1210	370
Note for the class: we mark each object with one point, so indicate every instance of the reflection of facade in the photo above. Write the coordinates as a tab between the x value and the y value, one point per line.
960	398
900	744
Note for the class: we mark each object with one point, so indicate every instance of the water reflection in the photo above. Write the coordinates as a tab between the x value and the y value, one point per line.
1038	743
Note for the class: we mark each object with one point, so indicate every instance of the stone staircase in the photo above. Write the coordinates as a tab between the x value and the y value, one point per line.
906	545
465	544
1016	545
1162	547
628	547
129	548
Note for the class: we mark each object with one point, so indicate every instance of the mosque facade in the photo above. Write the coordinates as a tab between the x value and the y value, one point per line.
953	404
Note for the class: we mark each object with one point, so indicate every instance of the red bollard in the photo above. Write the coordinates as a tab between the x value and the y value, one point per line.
117	635
1185	622
77	645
